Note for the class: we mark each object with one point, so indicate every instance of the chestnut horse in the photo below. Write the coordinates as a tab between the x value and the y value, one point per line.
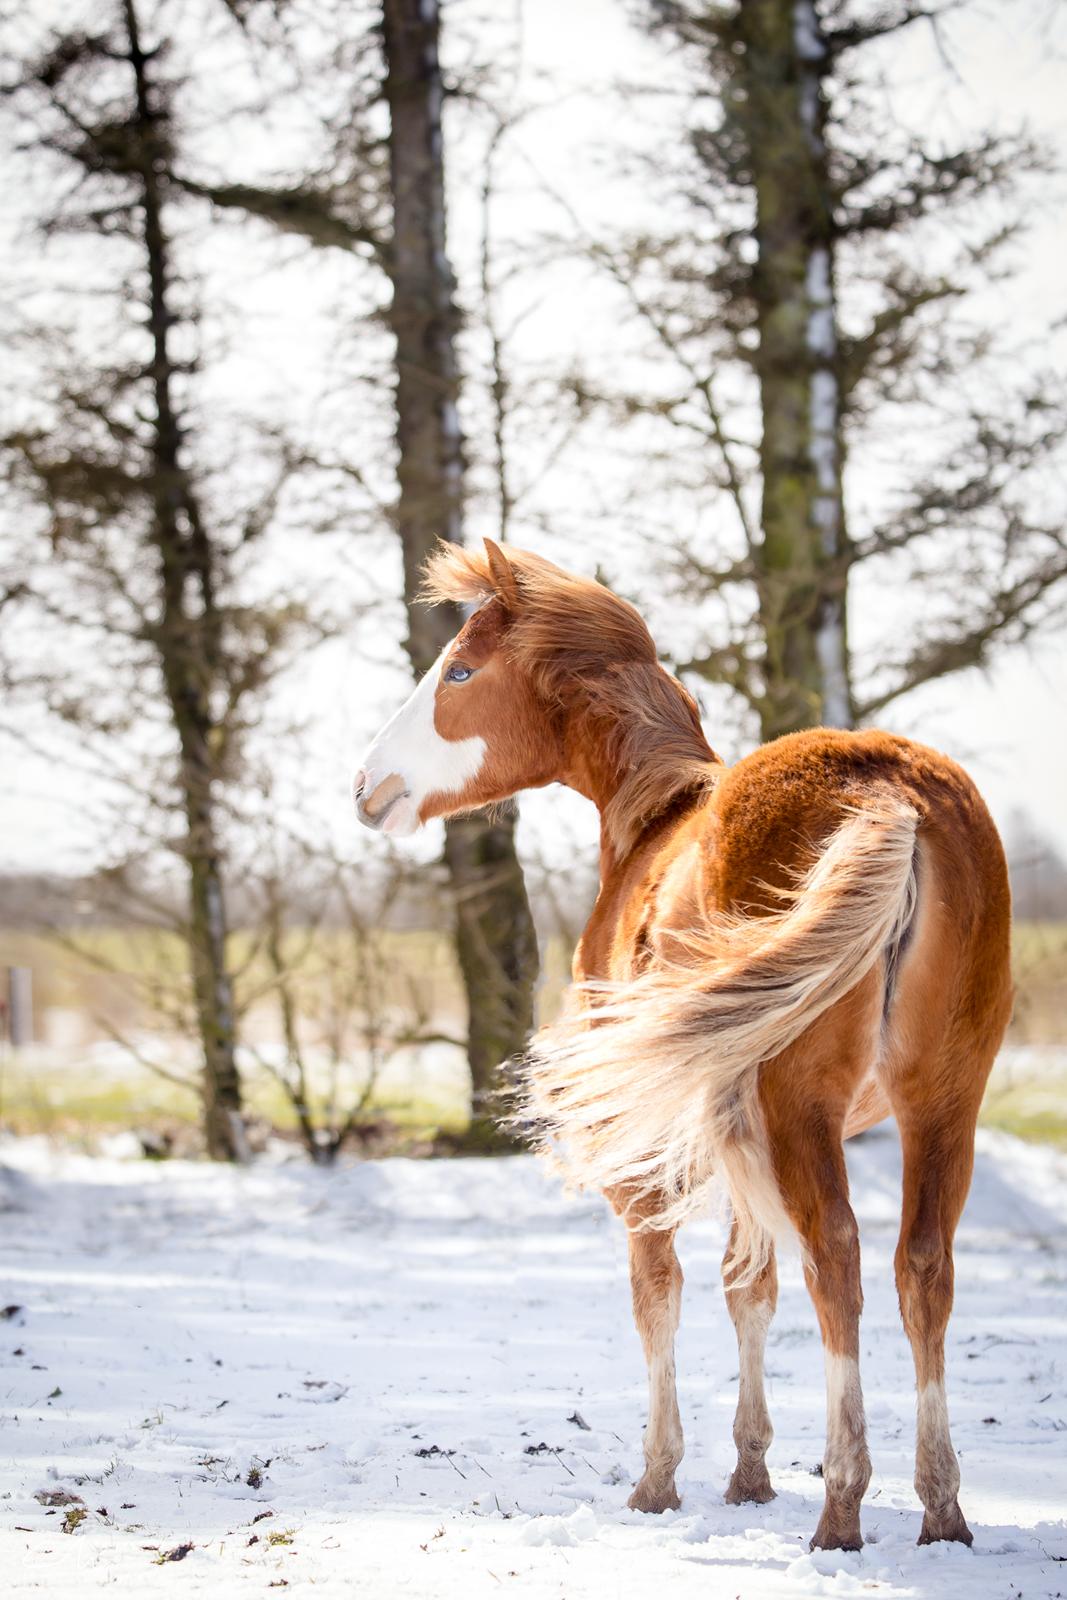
781	953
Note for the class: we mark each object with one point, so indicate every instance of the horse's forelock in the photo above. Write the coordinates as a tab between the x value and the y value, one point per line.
455	574
567	633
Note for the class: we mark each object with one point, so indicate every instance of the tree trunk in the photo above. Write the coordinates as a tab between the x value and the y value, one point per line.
495	938
497	949
189	643
802	561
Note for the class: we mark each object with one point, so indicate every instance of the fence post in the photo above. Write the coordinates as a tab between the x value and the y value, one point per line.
20	1006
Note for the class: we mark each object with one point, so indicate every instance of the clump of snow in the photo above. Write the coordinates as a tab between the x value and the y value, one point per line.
580	1525
366	1382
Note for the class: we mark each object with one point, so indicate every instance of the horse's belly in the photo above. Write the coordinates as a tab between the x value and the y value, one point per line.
869	1105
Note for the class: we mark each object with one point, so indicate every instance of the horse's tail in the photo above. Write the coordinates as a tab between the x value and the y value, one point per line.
651	1087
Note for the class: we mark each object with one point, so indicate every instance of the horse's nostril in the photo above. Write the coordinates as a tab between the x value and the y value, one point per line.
359	783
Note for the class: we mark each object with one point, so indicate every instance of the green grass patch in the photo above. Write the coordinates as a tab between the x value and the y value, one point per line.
1032	1106
1038	1127
102	976
36	1099
1039	963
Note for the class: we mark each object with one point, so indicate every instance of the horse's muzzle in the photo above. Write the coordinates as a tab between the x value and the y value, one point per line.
372	808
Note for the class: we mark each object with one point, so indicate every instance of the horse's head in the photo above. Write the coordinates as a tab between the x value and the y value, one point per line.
553	678
475	730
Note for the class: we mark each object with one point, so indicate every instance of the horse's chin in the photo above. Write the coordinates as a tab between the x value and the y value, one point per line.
402	820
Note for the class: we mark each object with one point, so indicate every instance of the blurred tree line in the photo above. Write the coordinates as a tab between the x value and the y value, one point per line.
179	570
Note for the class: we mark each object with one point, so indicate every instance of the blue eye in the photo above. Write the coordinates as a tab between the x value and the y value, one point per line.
457	674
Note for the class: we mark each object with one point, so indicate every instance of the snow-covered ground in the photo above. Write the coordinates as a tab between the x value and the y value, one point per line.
370	1382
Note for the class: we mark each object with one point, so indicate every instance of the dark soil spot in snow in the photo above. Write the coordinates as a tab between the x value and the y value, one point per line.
179	1553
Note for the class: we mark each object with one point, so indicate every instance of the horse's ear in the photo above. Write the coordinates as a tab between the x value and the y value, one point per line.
503	575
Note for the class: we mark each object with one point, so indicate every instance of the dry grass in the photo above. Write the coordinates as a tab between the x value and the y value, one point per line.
66	1091
1039	959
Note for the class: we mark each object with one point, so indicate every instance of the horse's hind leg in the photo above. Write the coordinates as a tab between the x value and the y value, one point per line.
938	1145
809	1163
951	1011
656	1281
751	1308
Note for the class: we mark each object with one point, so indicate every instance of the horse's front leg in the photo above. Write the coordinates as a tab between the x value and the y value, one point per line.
656	1281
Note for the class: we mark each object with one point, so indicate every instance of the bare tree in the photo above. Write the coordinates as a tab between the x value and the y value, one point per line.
495	936
134	568
384	203
794	291
324	960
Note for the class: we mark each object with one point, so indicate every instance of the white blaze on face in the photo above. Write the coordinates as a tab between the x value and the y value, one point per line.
410	748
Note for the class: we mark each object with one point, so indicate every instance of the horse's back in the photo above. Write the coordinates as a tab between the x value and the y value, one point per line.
775	809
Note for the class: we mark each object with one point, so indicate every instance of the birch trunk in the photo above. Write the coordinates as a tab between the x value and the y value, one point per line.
495	939
802	561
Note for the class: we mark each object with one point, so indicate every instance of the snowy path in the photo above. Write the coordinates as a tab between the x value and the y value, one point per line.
363	1384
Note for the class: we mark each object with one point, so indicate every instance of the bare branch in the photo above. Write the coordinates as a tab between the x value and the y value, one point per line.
1009	612
883	21
313	214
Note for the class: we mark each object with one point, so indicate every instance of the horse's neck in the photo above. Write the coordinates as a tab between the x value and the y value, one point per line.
633	730
637	766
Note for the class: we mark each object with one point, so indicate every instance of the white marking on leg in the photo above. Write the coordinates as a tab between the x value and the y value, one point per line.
664	1444
846	1463
657	1315
752	1424
751	1309
409	745
937	1471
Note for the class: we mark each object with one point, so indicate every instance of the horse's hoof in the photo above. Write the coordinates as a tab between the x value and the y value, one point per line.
947	1524
749	1486
837	1533
650	1497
